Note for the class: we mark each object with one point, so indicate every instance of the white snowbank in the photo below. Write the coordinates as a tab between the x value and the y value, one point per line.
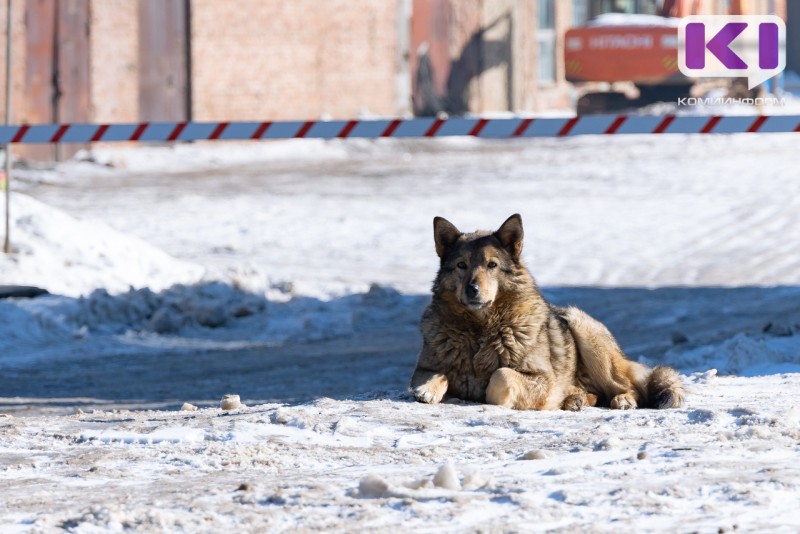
172	309
742	355
72	256
115	293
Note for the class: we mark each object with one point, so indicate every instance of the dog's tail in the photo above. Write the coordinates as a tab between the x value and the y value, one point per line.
664	388
607	372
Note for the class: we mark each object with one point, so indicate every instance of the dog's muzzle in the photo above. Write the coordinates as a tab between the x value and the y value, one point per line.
473	299
472	291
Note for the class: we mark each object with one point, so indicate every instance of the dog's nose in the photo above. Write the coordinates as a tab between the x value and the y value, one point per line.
473	290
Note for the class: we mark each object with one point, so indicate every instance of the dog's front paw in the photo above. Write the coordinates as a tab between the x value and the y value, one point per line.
426	394
623	401
428	386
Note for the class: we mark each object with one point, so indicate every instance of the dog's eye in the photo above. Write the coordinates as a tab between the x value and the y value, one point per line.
461	265
491	265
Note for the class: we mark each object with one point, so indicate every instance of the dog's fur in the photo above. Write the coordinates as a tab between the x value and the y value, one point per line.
489	336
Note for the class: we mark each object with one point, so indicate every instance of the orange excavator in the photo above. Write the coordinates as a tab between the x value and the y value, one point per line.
633	41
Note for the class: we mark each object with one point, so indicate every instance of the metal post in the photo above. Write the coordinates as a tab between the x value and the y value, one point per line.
7	242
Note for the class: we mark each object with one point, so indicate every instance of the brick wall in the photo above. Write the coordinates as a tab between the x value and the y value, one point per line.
252	59
294	59
491	61
114	61
306	59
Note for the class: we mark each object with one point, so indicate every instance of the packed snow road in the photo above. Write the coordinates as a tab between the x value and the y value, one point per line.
693	329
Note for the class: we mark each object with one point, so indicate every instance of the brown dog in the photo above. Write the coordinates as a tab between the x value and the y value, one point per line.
489	336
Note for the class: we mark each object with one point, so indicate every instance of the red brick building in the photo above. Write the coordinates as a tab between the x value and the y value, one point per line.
131	60
117	60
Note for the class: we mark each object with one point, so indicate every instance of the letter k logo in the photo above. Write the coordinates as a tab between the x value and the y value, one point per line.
751	46
719	45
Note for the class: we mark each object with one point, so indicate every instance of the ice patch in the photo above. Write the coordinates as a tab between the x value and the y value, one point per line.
161	435
260	432
419	440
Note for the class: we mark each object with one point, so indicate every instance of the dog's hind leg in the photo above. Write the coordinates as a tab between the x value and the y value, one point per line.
624	383
577	399
604	365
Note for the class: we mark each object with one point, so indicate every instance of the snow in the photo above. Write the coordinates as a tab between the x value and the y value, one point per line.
292	274
629	19
726	461
50	242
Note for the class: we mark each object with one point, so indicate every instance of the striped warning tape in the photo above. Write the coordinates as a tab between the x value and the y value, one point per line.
371	129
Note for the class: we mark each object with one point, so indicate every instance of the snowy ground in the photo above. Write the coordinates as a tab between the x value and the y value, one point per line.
726	461
293	274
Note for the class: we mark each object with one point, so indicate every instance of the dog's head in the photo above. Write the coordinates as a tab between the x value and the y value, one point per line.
476	267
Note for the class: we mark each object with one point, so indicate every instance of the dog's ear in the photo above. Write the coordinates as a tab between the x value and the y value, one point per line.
510	235
444	235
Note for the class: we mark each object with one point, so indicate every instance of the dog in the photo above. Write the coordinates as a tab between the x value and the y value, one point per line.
490	337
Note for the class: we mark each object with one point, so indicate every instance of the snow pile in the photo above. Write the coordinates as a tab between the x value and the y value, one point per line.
743	355
96	271
208	315
209	305
71	256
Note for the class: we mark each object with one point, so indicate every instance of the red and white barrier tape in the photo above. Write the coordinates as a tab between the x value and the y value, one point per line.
373	129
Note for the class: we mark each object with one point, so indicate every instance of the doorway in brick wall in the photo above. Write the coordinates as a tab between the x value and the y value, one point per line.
56	70
164	61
